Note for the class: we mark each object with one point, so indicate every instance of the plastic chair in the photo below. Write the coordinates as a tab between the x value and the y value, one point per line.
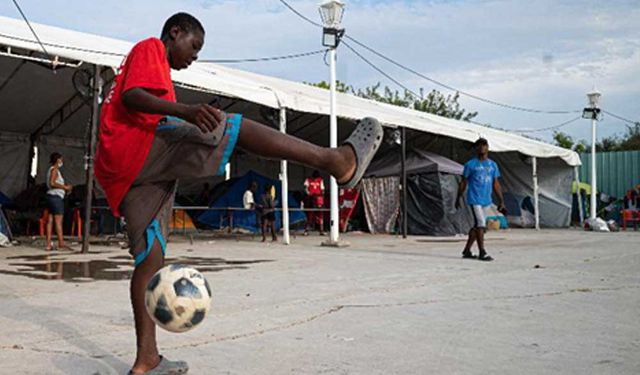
630	216
76	223
43	222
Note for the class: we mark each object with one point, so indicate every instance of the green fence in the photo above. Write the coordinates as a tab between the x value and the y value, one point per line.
617	171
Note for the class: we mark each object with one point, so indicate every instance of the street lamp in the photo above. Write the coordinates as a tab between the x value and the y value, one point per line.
592	112
331	12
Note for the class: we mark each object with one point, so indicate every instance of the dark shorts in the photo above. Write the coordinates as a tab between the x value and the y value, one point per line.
269	216
55	204
179	150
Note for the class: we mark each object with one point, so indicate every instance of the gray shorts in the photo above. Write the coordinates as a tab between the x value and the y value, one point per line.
179	150
479	216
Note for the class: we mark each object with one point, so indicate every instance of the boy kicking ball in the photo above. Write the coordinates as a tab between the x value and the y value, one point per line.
148	142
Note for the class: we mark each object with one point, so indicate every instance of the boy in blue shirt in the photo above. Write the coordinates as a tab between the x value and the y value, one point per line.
481	177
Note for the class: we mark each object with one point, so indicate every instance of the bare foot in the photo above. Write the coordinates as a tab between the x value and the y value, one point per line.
344	164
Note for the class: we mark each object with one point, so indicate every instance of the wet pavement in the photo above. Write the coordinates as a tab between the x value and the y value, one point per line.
553	302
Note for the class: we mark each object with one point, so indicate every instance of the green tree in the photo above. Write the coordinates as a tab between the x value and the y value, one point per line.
434	102
564	140
629	141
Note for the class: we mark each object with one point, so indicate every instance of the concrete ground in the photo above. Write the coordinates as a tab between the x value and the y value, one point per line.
554	302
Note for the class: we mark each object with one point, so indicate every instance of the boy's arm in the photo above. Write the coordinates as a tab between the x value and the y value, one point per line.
498	189
203	116
461	188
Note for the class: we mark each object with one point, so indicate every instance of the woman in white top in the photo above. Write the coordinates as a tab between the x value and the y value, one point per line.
56	192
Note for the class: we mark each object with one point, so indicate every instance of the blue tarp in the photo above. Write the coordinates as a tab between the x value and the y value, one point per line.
232	197
4	200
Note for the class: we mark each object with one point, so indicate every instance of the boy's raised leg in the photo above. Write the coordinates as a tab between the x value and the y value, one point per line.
264	141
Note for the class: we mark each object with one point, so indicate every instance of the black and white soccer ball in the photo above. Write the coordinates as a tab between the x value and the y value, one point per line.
178	298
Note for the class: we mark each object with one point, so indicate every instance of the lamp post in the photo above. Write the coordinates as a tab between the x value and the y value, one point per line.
331	12
592	112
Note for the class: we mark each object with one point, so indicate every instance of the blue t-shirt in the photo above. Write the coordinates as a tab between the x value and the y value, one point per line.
480	176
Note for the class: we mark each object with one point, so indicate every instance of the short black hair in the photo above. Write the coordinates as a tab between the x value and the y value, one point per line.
481	142
54	157
184	21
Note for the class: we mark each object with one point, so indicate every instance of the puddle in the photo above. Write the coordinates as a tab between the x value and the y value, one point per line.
62	267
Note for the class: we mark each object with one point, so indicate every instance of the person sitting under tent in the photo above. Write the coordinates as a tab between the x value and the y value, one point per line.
55	200
481	176
314	187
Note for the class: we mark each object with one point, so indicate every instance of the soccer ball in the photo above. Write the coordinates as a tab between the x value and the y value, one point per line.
178	298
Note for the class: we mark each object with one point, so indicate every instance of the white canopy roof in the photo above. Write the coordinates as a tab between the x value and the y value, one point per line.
269	91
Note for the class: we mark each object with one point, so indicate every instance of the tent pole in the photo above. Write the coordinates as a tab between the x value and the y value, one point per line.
536	200
93	138
284	178
403	137
576	174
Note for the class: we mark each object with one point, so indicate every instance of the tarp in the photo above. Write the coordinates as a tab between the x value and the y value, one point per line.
181	221
417	161
232	197
4	226
432	187
31	89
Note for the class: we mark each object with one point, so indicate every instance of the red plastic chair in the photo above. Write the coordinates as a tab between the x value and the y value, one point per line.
76	223
630	216
43	222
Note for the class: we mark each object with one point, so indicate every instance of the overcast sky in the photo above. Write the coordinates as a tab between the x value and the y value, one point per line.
543	54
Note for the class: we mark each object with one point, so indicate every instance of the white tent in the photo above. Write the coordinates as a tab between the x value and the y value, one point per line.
40	103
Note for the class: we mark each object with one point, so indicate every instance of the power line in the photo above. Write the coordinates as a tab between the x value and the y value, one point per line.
476	97
24	17
380	70
621	118
434	81
259	59
291	8
548	128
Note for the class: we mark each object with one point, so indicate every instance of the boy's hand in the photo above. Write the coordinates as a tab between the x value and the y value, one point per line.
203	116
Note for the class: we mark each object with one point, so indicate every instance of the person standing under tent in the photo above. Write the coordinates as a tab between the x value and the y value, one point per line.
480	176
267	209
314	188
56	192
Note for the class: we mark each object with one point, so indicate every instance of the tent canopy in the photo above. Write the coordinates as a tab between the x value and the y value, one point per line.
417	161
38	93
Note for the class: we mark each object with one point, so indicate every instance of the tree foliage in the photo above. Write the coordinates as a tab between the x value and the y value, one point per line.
434	102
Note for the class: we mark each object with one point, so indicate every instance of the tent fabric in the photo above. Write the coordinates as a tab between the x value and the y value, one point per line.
181	221
417	161
72	151
381	203
232	197
431	206
254	88
14	163
5	229
554	181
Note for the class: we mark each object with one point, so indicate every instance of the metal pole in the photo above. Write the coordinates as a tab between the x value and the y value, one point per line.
536	198
284	179
403	134
93	139
576	173
594	190
333	142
